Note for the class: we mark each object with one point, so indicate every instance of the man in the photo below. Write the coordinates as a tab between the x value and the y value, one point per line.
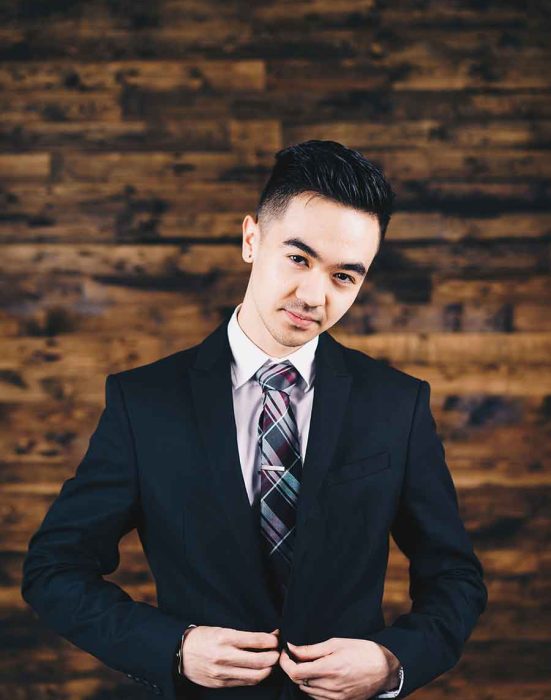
264	470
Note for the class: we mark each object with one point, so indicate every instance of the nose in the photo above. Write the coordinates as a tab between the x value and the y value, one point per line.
312	291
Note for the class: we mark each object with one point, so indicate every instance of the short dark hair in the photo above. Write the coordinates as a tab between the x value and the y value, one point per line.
331	170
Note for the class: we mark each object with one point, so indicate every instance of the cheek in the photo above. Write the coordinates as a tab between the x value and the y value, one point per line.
277	275
269	282
282	268
340	305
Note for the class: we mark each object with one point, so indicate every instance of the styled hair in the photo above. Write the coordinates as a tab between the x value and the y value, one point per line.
331	170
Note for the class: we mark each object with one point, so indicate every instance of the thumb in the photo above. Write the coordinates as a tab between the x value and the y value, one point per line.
311	651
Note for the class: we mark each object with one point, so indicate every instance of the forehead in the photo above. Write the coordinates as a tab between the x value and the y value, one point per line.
328	226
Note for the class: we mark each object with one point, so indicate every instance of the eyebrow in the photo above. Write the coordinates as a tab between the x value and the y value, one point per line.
299	243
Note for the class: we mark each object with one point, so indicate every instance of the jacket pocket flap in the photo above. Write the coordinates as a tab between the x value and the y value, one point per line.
359	467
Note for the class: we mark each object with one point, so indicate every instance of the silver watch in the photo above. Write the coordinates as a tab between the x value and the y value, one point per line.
180	667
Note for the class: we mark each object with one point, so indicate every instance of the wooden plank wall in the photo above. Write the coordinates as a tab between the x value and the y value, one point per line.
134	137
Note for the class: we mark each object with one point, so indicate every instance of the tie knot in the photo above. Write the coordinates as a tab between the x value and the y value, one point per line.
279	376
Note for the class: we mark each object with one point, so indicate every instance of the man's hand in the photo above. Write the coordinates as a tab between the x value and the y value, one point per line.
216	657
342	668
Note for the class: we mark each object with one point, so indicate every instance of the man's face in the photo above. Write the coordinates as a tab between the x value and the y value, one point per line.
300	266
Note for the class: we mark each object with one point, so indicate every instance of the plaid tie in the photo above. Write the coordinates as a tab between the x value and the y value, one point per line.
279	487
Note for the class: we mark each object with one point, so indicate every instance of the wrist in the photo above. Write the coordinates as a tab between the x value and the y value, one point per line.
394	669
392	690
180	651
392	660
393	680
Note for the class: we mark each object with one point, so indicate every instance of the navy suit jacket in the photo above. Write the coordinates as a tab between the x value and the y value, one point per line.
164	459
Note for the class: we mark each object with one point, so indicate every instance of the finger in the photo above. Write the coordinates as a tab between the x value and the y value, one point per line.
242	676
320	684
253	640
311	669
250	659
320	693
322	680
287	664
312	651
290	654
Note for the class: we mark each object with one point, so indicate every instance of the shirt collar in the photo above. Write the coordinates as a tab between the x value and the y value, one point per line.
248	357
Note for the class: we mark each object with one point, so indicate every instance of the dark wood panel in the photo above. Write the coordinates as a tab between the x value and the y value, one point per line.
455	165
134	137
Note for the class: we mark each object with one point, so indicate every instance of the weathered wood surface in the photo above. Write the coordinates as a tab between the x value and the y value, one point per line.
134	137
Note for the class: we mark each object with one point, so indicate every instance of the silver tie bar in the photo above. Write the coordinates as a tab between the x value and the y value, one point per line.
274	467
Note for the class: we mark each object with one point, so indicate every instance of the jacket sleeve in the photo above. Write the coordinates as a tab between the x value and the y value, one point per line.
446	578
77	543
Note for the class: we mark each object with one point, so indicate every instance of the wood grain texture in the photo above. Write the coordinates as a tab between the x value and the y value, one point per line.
134	137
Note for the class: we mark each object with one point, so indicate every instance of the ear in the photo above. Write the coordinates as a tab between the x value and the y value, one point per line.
251	236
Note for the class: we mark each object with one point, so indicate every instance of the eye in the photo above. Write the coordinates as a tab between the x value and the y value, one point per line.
297	256
352	280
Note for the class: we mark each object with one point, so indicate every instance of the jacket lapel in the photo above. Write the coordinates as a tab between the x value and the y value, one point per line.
210	378
331	396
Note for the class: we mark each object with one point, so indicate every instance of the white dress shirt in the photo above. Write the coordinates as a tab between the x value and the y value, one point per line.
247	358
248	397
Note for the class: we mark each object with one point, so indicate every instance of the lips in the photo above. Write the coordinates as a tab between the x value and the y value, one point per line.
299	321
304	318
